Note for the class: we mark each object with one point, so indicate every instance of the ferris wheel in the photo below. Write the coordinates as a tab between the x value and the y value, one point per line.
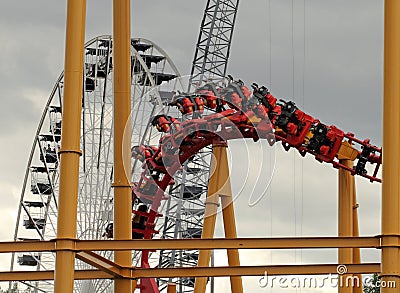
183	212
153	77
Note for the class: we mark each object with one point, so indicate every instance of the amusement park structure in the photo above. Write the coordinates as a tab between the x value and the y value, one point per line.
157	159
151	67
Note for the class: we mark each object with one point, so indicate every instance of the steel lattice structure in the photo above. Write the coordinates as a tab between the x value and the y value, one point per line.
185	208
214	42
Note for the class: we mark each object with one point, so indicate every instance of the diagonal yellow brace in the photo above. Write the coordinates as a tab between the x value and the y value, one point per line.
219	187
102	264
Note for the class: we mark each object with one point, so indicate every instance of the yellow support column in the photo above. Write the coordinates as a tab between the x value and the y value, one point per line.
356	233
219	186
210	215
70	145
390	268
171	288
134	285
122	136
228	214
345	218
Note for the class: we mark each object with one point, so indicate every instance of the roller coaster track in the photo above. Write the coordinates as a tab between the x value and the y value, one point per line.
240	113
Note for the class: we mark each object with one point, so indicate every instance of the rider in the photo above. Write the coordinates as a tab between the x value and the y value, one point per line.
143	152
188	104
163	123
236	94
138	222
209	94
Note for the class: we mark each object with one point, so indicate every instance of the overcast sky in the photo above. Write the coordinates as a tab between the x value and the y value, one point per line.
330	64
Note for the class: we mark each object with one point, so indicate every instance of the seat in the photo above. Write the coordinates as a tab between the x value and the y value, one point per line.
140	47
151	59
41	188
192	233
30	224
193	170
34	204
192	192
28	260
96	51
50	157
50	137
55	109
89	84
158	78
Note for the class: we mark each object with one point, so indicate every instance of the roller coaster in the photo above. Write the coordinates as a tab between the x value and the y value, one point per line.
238	113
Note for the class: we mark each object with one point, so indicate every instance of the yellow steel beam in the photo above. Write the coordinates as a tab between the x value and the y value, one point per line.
225	271
217	243
347	152
356	233
228	215
345	217
215	188
27	246
91	274
101	263
171	288
219	186
49	275
134	285
391	141
226	243
122	135
70	142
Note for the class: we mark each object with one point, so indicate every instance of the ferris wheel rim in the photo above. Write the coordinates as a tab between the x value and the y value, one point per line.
45	112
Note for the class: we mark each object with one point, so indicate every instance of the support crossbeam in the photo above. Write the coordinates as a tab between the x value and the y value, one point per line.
240	243
49	275
222	243
282	270
227	271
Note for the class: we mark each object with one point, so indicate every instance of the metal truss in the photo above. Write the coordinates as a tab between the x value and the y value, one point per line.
185	208
213	45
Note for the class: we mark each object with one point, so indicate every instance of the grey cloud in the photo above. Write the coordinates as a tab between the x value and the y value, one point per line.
342	78
19	112
42	13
